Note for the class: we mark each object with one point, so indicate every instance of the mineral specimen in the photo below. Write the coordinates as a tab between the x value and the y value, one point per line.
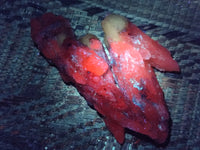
124	88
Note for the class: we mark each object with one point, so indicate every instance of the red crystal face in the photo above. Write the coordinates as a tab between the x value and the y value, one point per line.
128	95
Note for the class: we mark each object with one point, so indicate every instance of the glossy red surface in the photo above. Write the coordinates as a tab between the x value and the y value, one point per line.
159	57
134	99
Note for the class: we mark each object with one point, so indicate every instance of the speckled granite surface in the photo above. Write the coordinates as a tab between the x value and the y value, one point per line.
38	111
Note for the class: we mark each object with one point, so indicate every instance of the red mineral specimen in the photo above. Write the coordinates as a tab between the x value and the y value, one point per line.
82	64
129	96
148	112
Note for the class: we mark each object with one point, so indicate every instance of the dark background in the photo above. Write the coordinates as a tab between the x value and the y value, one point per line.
38	111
